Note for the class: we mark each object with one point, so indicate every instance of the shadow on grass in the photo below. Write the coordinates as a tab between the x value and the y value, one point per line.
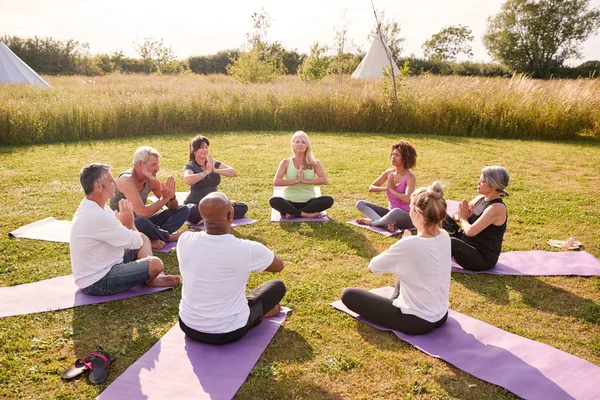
286	388
333	231
126	328
534	293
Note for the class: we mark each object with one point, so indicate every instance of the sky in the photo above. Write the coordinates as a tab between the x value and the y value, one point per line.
206	27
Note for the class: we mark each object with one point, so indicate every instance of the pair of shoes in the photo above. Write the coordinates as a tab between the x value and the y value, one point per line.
97	362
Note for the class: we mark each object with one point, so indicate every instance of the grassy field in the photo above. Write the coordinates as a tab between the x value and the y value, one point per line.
319	352
116	106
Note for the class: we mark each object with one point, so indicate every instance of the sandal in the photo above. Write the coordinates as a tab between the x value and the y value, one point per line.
75	370
98	363
569	244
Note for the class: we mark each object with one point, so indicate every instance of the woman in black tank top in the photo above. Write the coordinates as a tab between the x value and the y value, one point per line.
477	241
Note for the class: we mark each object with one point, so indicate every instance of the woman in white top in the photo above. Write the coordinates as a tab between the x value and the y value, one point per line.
422	266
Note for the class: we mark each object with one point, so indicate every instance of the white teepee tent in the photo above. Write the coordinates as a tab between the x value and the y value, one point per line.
14	70
374	62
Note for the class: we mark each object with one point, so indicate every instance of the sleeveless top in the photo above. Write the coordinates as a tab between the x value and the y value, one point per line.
395	202
201	188
300	192
489	241
114	201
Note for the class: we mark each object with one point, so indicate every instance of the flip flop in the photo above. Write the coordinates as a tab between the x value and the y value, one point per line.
75	370
98	363
559	244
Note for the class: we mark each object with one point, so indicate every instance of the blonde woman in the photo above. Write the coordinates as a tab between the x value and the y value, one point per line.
422	266
299	174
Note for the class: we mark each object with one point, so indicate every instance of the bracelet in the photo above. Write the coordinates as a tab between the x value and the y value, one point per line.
173	198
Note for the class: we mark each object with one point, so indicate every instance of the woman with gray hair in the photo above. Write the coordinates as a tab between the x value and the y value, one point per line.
477	241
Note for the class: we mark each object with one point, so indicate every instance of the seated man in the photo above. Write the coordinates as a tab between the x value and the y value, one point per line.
136	183
108	255
215	267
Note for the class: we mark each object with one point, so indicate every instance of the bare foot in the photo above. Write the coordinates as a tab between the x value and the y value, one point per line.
288	216
273	311
174	236
157	244
364	221
391	228
164	280
311	215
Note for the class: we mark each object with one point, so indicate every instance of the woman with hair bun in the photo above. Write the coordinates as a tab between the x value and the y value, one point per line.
203	174
299	174
422	266
477	241
398	183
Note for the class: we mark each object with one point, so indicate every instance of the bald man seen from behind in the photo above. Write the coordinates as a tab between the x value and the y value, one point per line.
215	266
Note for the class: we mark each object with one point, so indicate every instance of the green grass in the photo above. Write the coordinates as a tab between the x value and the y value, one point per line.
319	352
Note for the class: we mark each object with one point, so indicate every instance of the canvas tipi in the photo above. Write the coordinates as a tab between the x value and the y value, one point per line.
14	70
374	62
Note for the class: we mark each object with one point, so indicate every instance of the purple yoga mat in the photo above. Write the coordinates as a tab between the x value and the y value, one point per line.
376	229
169	246
235	223
50	229
527	368
276	216
541	263
179	368
56	294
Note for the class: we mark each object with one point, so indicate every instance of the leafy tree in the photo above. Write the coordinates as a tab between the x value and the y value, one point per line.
448	43
536	37
157	57
316	66
263	62
390	31
47	55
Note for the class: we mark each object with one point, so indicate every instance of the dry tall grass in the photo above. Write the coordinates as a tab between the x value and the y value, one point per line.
78	108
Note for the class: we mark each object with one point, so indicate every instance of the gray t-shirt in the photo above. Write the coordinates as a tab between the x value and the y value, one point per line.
201	188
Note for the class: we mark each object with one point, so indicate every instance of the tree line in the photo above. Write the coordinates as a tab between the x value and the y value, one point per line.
534	37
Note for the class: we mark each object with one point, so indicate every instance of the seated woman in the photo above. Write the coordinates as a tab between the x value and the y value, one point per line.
203	174
299	174
398	183
477	242
422	266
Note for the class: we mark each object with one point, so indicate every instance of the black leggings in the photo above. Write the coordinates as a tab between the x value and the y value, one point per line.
260	301
316	204
239	211
464	254
381	311
469	257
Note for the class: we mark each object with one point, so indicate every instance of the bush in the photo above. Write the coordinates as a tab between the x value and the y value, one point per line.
253	67
316	66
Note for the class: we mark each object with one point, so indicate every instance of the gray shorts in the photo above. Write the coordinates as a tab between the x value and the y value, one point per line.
121	277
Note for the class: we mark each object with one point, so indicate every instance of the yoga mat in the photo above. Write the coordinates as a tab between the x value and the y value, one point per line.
179	368
235	224
541	263
168	247
50	229
527	368
56	294
276	216
376	229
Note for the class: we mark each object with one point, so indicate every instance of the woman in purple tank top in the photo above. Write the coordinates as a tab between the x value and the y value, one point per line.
399	184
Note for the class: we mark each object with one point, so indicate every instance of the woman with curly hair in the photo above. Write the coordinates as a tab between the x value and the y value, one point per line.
398	183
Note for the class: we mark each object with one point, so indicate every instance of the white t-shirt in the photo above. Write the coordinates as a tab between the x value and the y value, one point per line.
215	271
98	241
423	266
